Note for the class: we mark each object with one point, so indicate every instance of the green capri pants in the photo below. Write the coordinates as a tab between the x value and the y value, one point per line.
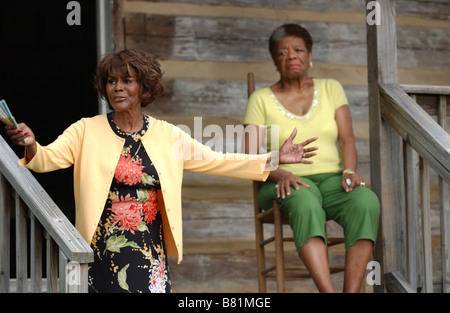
308	208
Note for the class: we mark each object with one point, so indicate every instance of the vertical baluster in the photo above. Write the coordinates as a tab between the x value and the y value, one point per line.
445	207
21	245
35	254
426	226
84	278
445	234
52	264
412	215
73	276
62	282
5	207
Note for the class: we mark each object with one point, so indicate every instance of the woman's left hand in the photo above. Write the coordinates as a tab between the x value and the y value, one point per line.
296	153
351	180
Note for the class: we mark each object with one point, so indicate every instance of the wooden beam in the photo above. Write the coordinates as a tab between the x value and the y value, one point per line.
445	205
21	244
430	140
397	284
426	89
181	9
5	228
427	252
411	168
118	26
386	146
36	248
292	11
348	75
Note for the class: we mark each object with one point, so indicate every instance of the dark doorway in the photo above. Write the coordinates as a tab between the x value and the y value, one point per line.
46	75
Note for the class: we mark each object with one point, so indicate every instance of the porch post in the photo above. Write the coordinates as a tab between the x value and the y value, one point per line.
386	147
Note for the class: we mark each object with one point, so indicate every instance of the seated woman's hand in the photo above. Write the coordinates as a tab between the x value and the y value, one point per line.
351	180
284	181
296	153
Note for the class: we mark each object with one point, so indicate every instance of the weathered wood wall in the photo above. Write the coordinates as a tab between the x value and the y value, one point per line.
206	49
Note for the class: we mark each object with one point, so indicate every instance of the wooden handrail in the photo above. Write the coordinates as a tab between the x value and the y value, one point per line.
426	89
74	247
431	144
58	230
417	128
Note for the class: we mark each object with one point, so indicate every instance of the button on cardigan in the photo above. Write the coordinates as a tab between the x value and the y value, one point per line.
91	146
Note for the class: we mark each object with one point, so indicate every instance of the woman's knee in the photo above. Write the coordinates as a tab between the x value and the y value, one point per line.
361	219
366	203
360	205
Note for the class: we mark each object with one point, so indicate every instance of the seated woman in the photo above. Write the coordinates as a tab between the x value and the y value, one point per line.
329	188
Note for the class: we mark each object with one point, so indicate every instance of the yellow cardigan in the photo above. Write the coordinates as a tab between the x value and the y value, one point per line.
91	146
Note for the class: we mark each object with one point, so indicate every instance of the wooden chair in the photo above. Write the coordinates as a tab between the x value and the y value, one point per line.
278	218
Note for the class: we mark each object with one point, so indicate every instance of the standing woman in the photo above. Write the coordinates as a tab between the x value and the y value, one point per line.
331	187
128	170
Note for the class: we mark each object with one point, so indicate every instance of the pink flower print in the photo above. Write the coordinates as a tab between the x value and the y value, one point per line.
128	172
128	213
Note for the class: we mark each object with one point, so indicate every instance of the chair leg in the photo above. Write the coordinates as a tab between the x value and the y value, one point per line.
279	251
260	256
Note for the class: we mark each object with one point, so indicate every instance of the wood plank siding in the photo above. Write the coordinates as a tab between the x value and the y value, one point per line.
207	48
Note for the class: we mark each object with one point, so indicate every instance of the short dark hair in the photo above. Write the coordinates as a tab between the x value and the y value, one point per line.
289	30
147	68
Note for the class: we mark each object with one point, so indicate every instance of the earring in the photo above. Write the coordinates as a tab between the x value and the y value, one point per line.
310	64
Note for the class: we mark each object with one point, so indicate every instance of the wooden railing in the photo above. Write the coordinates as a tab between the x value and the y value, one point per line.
426	145
38	221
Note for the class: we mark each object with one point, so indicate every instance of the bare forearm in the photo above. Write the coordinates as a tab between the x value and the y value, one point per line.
349	154
30	151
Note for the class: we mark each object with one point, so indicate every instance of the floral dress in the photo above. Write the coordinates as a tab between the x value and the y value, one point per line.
128	244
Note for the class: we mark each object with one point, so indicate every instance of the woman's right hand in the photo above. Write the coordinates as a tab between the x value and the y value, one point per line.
23	136
284	181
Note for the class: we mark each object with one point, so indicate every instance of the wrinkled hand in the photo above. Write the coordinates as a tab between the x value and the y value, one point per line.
284	181
296	153
23	136
354	179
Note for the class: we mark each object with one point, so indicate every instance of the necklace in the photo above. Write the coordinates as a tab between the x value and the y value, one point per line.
133	129
136	135
285	112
